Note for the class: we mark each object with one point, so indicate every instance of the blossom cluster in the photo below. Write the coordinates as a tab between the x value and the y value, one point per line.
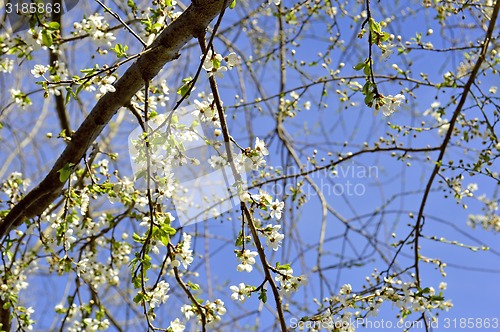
248	160
288	282
159	294
405	295
489	219
213	63
97	28
213	311
437	112
265	201
389	104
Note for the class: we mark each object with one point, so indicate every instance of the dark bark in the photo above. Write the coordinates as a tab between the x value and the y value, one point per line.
165	48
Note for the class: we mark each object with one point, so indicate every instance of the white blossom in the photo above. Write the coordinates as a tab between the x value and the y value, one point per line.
392	103
6	65
107	84
159	294
177	326
39	70
273	236
276	209
240	292
260	146
231	60
217	162
247	259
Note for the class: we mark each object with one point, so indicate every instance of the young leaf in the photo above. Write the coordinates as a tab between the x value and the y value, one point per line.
65	172
263	295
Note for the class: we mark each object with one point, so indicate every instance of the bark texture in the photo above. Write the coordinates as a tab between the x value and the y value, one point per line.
165	48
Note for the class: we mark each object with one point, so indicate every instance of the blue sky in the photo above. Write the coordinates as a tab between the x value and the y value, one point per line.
471	276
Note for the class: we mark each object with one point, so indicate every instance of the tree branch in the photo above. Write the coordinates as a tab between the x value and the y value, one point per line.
165	48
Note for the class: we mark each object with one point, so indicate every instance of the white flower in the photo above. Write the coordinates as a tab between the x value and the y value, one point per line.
212	64
107	84
247	259
472	187
68	239
436	104
85	202
34	39
260	146
231	60
274	237
276	209
217	72
208	64
205	110
6	65
103	38
97	28
20	98
263	198
257	162
277	2
493	90
288	282
184	255
159	294
39	70
219	307
345	289
245	197
284	276
177	326
187	310
240	292
217	162
391	104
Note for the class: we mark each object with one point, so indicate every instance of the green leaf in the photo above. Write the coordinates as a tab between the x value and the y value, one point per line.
374	26
385	36
156	27
53	26
69	94
120	50
193	286
369	99
232	5
367	69
47	38
239	240
283	267
132	4
263	295
137	238
359	66
138	298
426	290
168	229
65	172
183	90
